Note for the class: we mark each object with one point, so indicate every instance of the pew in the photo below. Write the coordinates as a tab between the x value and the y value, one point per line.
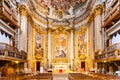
104	76
80	76
40	76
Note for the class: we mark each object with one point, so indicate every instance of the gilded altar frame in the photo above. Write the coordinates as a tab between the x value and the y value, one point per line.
40	58
81	53
60	31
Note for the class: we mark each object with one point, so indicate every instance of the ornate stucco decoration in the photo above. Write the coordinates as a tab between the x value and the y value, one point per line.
81	42
29	17
82	56
81	30
22	9
75	11
48	16
38	57
60	23
38	29
99	9
60	60
60	29
91	17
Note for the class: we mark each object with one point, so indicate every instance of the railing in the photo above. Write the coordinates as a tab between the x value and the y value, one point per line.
112	12
109	52
7	13
24	54
8	51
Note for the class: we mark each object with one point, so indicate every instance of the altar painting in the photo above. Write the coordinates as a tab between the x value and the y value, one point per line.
39	45
82	43
60	45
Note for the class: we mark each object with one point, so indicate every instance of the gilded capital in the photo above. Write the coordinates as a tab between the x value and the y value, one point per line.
60	29
29	17
22	9
71	30
49	30
91	17
99	9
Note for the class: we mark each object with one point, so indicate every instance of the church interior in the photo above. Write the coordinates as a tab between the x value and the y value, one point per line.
59	39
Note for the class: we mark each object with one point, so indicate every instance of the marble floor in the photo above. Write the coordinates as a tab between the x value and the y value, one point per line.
60	77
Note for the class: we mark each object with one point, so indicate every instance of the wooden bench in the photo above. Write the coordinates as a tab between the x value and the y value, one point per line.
40	76
80	76
104	76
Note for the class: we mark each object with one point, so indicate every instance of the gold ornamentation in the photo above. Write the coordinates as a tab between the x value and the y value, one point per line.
30	19
60	13
91	18
22	9
60	29
60	60
60	45
82	56
38	29
82	30
71	30
38	56
98	10
49	30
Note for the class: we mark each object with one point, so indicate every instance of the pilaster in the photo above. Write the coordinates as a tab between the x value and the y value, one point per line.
23	32
49	45
71	47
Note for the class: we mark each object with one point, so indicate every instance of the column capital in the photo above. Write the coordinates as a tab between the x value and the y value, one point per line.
71	30
22	9
99	9
49	30
91	17
30	19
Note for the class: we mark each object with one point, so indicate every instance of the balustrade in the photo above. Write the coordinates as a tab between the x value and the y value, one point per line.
112	13
109	52
8	14
11	52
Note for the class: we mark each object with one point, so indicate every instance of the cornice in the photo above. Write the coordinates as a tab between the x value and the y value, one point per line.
39	19
38	29
81	30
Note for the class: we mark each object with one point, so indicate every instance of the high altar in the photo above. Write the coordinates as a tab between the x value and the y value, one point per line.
62	51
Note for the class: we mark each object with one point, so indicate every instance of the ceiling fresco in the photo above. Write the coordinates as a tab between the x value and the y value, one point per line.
60	9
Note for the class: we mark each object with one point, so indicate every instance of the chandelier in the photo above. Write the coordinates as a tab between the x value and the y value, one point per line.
60	4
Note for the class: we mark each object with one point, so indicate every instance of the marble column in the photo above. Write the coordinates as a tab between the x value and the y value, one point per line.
98	35
71	48
24	33
23	13
19	22
49	46
99	9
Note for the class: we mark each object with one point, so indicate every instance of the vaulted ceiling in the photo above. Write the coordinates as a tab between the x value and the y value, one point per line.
60	10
